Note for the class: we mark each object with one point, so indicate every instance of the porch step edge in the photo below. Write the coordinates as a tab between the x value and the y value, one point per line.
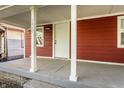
55	81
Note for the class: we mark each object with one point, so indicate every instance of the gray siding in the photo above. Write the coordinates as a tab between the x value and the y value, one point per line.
14	47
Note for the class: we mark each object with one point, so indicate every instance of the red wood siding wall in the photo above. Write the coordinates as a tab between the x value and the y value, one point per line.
97	40
41	51
27	43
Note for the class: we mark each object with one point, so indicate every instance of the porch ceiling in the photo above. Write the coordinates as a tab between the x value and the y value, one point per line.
46	14
20	15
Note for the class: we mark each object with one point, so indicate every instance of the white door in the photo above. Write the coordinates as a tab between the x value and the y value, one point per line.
61	40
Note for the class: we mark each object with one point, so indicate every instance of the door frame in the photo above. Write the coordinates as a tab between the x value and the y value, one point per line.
53	40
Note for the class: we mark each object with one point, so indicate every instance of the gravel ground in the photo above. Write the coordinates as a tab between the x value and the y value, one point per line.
8	80
9	84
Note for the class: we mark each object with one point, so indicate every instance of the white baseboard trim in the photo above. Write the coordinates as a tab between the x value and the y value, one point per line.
45	57
86	61
100	62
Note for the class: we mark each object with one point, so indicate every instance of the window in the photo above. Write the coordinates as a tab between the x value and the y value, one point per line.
40	37
120	34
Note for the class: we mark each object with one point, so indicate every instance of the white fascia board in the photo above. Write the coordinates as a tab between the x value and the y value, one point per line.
8	6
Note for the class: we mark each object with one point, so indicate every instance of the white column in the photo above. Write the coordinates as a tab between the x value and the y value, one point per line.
33	39
73	73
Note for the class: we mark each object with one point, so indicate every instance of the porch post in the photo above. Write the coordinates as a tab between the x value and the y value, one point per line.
73	73
33	39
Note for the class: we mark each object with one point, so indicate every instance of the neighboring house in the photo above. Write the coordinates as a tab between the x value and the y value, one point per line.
14	40
3	48
98	39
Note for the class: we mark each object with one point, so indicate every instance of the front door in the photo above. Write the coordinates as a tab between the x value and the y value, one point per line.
61	40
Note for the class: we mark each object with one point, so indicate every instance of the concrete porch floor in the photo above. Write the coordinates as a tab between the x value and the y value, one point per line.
57	72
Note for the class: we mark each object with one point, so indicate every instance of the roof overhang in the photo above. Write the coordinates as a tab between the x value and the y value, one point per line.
19	15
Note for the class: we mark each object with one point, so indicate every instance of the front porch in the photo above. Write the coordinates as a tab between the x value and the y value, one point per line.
56	71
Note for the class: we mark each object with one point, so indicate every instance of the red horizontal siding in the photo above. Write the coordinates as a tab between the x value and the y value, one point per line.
27	43
97	40
41	51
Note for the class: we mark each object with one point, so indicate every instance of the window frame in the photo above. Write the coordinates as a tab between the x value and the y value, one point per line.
119	32
42	29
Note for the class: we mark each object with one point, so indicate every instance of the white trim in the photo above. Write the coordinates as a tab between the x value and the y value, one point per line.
69	40
45	57
53	47
63	21
42	28
100	16
56	22
39	46
53	39
8	6
100	62
119	31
